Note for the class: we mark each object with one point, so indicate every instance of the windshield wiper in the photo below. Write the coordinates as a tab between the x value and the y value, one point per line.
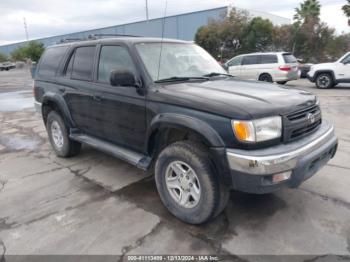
181	78
217	74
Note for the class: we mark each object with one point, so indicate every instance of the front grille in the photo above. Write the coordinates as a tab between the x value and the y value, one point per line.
301	123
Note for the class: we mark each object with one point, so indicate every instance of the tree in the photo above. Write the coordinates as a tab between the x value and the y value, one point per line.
225	35
3	57
346	10
309	11
258	36
33	51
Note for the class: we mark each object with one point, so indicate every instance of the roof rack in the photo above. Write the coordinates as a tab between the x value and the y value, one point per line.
96	36
65	40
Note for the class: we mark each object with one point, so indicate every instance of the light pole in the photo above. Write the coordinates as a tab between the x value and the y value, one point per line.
25	28
147	10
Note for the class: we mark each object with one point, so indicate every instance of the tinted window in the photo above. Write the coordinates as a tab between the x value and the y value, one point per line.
113	58
250	60
289	58
268	59
83	63
235	61
51	60
70	66
346	60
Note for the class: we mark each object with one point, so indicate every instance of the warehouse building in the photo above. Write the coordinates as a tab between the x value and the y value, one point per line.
182	26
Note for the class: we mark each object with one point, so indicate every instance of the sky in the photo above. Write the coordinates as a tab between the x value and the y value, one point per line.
55	17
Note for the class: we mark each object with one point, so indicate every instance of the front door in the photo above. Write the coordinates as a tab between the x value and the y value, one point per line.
343	69
234	66
121	109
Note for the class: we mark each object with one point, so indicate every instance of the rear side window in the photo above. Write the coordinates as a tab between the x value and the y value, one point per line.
268	59
51	60
250	60
83	63
113	58
289	58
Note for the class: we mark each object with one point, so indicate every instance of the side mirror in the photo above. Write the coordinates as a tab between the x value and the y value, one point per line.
123	78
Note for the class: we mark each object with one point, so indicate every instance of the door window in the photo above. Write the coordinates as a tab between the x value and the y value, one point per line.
346	60
250	60
268	59
113	58
83	63
235	61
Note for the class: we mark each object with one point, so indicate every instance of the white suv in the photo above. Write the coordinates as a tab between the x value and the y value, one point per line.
328	75
277	67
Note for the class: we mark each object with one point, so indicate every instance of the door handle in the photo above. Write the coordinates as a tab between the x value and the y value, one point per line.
62	89
97	98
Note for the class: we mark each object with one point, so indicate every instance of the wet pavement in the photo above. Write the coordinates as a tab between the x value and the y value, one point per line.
96	204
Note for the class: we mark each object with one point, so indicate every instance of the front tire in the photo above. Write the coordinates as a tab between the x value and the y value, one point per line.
58	136
187	183
324	81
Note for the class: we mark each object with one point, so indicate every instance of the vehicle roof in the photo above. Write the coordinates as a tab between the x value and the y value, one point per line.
266	53
127	40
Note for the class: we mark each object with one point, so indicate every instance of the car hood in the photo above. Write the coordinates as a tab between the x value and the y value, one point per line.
233	98
323	65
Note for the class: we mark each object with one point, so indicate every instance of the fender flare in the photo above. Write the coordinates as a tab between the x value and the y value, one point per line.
173	120
50	97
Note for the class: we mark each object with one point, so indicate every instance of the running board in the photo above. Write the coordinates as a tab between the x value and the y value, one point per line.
136	159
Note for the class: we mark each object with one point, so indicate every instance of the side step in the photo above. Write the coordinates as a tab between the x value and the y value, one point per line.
136	159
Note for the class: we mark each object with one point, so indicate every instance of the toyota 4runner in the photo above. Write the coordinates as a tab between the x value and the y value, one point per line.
167	106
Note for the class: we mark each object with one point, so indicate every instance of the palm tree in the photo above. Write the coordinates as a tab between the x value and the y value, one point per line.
346	10
308	11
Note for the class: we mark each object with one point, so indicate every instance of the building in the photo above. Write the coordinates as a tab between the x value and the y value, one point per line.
182	26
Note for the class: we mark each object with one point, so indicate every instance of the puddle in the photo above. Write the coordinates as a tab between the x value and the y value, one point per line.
19	143
16	101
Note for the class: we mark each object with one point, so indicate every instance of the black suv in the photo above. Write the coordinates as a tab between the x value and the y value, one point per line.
168	106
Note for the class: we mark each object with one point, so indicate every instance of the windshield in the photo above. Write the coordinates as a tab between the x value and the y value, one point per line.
177	60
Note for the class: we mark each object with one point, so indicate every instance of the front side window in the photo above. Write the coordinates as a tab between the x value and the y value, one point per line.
83	63
346	60
113	58
235	61
51	60
166	60
250	60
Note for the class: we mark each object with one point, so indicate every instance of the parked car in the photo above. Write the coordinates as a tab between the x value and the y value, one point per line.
304	68
178	114
278	67
7	66
327	75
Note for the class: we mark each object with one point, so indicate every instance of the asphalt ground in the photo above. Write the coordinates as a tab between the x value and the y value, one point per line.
96	204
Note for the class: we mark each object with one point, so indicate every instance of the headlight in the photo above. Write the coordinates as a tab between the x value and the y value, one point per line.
258	130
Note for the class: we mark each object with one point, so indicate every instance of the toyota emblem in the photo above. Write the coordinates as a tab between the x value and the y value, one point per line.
311	118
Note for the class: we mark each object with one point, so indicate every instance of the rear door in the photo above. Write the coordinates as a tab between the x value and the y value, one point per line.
250	67
79	87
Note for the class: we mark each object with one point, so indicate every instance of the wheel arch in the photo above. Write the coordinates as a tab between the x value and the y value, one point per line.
54	102
164	125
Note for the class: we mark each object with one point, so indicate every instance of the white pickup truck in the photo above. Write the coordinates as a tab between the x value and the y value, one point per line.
327	75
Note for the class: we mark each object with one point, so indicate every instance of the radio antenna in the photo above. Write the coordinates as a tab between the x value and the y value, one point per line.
161	43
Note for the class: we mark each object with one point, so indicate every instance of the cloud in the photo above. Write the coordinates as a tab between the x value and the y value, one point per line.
55	17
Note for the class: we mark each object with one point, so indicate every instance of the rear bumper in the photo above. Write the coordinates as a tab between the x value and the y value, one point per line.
252	171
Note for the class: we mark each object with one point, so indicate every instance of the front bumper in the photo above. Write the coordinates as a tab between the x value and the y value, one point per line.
252	170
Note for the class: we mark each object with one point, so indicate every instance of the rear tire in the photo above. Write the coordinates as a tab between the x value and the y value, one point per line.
324	81
266	78
58	136
203	198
